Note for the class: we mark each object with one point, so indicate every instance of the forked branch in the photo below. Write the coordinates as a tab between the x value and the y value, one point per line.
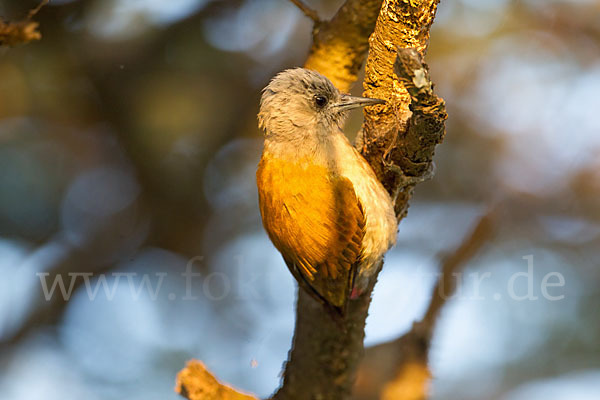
398	370
326	353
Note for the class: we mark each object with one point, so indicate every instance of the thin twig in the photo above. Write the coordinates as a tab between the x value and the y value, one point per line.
309	12
446	284
37	9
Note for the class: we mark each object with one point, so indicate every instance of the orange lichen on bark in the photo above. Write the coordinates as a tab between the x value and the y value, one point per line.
401	23
195	382
404	24
398	138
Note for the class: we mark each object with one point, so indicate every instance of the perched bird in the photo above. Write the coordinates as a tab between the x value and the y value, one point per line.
321	203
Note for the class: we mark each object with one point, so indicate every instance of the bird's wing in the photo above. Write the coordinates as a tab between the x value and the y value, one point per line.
316	221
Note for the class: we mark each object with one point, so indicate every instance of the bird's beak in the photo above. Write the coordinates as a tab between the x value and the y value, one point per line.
348	102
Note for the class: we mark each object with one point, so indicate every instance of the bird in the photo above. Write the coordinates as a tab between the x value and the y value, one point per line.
320	201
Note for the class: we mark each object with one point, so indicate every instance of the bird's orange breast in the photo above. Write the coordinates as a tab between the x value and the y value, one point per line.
315	220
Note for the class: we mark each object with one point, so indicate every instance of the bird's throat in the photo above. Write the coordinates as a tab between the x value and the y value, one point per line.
323	150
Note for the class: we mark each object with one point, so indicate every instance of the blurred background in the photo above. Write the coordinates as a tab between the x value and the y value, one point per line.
130	237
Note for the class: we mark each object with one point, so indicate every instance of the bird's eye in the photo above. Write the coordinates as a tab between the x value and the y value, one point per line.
320	101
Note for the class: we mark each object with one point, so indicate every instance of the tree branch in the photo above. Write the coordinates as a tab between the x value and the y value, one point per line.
195	382
398	138
446	284
398	369
325	352
306	10
21	32
340	45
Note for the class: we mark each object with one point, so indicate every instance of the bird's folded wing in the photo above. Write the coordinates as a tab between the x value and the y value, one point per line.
316	221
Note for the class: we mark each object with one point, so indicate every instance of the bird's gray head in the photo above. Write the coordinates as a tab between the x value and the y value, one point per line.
300	102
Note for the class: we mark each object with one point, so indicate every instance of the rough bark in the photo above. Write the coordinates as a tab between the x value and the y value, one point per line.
398	139
326	351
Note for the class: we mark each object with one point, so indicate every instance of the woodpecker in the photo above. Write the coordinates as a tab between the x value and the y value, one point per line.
321	203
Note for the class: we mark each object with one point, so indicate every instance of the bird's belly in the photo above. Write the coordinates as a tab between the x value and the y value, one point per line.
295	173
381	225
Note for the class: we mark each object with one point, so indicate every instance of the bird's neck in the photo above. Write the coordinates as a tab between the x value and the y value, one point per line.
319	149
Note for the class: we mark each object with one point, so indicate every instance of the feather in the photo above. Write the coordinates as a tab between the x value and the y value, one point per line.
316	221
